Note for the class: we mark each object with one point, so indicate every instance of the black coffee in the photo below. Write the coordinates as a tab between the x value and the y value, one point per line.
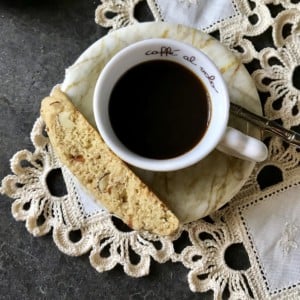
159	109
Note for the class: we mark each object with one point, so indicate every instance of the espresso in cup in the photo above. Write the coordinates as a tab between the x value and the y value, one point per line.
159	109
163	105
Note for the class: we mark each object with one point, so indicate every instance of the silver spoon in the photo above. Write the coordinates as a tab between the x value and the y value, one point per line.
289	136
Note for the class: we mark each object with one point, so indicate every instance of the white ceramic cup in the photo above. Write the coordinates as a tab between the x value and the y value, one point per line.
218	134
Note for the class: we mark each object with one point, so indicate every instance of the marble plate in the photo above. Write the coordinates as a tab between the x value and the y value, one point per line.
196	191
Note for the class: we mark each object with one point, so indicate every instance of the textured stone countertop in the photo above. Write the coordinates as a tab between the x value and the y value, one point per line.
38	40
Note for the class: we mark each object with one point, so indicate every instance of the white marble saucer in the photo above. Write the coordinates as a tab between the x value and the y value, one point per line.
196	191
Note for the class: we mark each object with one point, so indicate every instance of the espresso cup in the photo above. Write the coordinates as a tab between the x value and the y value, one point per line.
163	105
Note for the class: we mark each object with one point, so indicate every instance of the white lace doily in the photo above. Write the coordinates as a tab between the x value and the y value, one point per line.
263	218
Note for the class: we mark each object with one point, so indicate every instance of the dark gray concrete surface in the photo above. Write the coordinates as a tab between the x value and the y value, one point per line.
38	40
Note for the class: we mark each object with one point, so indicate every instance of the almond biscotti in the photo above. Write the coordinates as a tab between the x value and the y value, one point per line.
114	185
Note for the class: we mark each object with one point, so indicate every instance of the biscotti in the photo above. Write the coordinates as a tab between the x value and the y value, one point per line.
80	147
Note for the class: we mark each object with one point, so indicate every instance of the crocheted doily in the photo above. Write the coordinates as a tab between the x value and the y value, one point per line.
261	222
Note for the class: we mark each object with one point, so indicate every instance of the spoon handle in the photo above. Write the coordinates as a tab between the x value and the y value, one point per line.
289	136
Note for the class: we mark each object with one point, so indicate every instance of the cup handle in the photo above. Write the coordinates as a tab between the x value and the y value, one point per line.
238	144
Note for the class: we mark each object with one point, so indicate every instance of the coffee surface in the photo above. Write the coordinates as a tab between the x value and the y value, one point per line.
159	109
